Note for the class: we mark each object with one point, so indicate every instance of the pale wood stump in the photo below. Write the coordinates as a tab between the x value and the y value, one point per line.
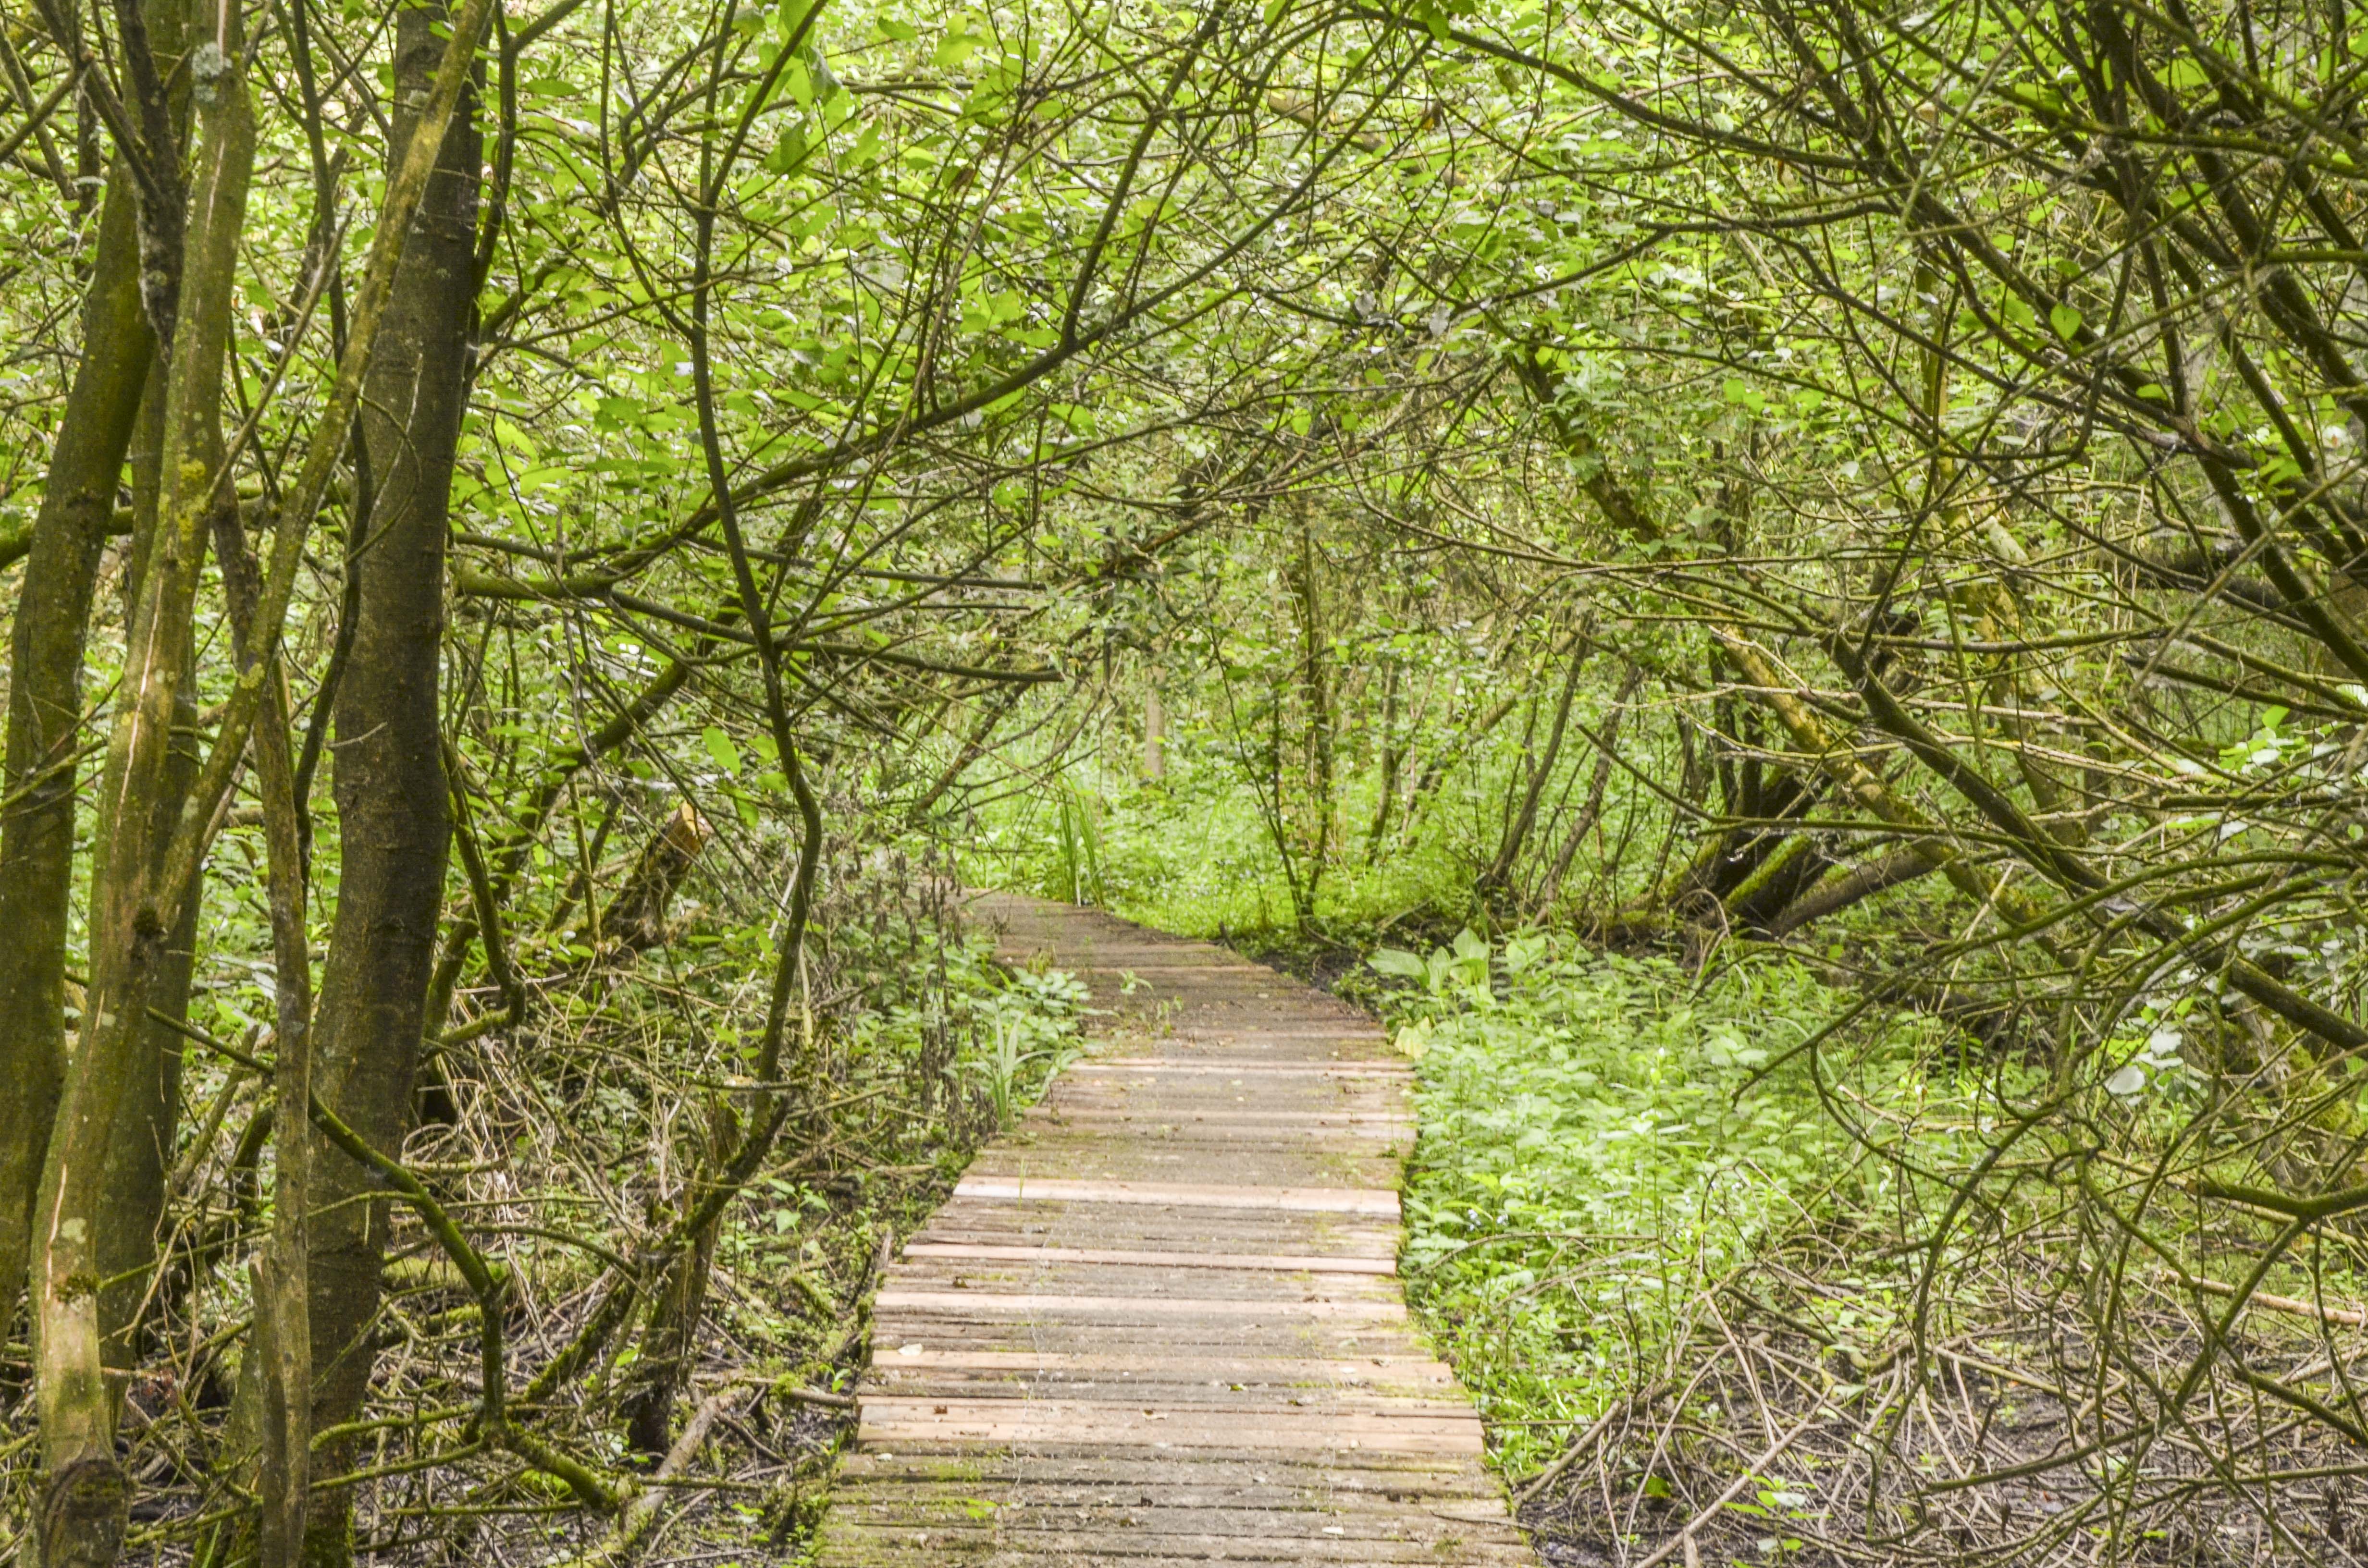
1159	1322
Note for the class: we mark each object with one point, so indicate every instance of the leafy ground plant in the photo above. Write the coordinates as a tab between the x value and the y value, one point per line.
1737	1268
1598	1151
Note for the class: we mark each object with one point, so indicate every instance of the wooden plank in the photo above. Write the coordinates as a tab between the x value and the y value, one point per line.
1426	1480
1387	1121
1446	1430
1283	1262
966	1302
1176	1195
1345	1068
908	1361
1004	1223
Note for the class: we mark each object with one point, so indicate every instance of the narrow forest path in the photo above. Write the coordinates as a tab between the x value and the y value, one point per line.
1159	1321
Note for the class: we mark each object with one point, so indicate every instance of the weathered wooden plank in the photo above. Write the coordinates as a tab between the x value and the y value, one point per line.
1269	1231
1428	1480
1301	1264
1344	1068
1444	1430
1388	1123
1183	1194
1133	1307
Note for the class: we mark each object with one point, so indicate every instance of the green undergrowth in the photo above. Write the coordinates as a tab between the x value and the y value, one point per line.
1191	853
933	1048
1607	1141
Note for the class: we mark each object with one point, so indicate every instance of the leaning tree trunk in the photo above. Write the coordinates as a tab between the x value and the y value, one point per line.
394	820
147	1119
37	829
134	907
637	916
669	1341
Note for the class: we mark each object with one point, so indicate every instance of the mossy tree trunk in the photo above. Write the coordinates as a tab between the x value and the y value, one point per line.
393	812
136	903
44	726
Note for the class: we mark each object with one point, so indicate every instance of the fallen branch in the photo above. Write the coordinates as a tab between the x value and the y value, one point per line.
2348	1317
641	1516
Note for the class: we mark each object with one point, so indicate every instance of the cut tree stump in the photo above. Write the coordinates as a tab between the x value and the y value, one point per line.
1159	1321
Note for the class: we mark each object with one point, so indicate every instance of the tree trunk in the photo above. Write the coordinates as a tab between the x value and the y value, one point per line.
669	1342
394	819
1315	694
1500	874
37	831
133	908
1392	759
147	1120
637	917
1606	755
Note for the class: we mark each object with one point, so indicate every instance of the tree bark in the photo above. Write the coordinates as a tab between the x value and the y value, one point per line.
669	1341
280	1343
134	905
394	818
147	1120
37	829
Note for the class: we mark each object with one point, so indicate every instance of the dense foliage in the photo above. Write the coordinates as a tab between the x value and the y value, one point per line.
1788	573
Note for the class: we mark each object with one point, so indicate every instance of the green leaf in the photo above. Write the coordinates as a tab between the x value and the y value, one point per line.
1399	961
720	747
2065	320
954	49
790	152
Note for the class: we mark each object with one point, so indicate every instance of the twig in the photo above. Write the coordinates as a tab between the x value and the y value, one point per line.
1684	1537
2348	1317
641	1514
1581	1444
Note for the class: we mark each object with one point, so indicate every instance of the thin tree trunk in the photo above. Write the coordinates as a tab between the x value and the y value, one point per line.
669	1342
1315	689
1591	812
1862	883
281	1338
1516	832
147	1120
133	906
1392	759
37	826
394	819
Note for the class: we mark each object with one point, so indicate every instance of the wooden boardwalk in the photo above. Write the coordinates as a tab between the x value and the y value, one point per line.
1159	1322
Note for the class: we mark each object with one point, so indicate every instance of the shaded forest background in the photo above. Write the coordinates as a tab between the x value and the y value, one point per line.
1776	585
